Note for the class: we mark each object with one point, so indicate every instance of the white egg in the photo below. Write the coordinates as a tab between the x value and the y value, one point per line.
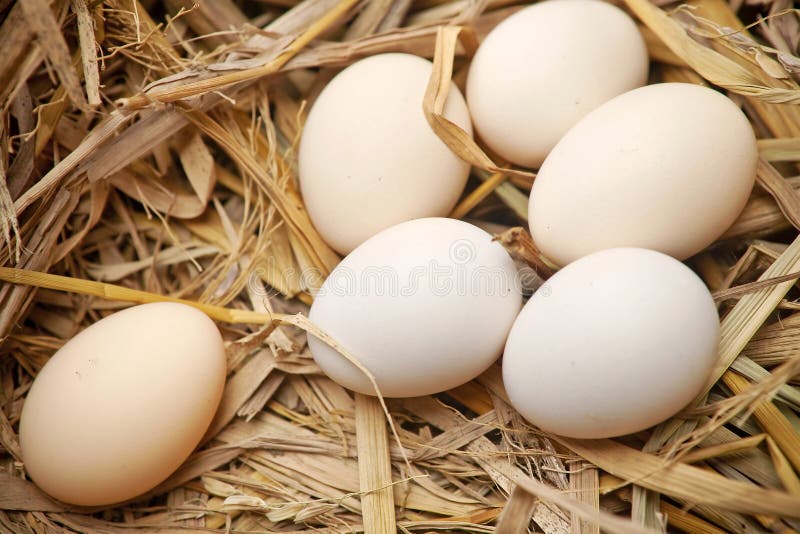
425	305
543	68
369	159
612	344
667	167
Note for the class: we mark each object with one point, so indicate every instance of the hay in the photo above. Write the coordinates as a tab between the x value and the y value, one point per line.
149	154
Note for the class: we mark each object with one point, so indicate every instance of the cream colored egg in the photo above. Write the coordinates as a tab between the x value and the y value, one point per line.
121	405
667	167
425	305
612	344
543	68
368	158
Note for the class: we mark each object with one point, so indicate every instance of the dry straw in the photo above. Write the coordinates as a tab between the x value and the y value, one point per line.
149	153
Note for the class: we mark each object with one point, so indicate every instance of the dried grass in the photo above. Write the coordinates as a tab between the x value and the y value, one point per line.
149	154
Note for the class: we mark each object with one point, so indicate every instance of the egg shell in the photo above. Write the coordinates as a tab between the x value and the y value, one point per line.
122	404
543	68
667	167
612	344
425	305
368	158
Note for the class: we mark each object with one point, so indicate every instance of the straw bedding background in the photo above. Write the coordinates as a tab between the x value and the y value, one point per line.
150	145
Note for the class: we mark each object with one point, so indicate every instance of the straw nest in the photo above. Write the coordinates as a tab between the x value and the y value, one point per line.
148	152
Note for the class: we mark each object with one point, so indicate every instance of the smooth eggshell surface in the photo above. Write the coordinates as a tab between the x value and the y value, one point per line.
424	305
368	158
612	344
121	405
667	167
543	68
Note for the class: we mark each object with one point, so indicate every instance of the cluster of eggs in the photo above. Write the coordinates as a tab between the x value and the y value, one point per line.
631	180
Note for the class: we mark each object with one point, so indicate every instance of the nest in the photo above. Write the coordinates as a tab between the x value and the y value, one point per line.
149	154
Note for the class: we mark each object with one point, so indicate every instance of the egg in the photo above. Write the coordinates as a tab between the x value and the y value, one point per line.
612	344
667	167
122	404
546	66
424	305
368	158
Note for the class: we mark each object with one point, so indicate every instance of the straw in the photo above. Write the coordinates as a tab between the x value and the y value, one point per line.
150	155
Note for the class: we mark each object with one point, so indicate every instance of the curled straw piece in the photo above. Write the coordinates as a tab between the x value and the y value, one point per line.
219	313
459	141
227	79
711	65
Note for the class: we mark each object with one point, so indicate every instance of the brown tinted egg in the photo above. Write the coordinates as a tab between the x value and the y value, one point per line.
121	405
